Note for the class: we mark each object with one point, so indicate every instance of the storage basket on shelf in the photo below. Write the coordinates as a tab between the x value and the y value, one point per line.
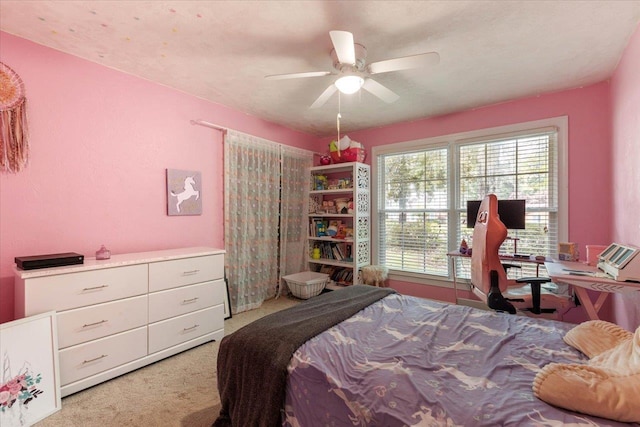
306	284
348	155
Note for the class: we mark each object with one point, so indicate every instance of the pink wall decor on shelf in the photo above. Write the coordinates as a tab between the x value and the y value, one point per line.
184	192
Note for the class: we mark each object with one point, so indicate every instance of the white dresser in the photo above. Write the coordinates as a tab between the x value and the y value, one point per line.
120	314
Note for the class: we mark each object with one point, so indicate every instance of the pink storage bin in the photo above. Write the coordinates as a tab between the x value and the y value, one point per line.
348	155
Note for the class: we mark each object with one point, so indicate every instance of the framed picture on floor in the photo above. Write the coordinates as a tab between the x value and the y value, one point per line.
30	376
227	298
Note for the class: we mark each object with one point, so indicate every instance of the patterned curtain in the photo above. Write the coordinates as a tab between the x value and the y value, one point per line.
294	210
252	187
254	168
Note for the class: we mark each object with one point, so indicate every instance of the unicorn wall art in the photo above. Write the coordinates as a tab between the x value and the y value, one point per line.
183	192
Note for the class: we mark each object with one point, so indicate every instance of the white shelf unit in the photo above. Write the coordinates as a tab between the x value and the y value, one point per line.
354	183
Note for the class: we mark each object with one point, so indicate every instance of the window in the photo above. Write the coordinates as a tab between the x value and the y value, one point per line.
413	211
422	188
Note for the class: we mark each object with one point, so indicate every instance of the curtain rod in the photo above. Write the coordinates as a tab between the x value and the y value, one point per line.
224	130
200	122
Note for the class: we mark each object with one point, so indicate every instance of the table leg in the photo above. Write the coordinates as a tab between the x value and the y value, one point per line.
455	281
600	301
591	308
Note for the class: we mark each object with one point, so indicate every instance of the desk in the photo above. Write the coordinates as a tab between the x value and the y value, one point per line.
455	255
582	277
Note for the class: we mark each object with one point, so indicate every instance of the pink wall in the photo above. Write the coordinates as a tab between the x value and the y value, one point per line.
100	143
625	95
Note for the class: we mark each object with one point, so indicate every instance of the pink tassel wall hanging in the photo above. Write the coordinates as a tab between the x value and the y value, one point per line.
14	140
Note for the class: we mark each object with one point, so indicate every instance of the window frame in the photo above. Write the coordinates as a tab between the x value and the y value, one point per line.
451	141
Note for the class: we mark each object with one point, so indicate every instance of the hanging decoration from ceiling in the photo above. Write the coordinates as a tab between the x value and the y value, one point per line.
344	149
14	140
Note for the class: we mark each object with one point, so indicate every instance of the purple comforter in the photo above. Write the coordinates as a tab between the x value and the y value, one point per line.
406	361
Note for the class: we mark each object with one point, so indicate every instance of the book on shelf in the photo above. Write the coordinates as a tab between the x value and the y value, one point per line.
336	253
340	275
332	250
326	251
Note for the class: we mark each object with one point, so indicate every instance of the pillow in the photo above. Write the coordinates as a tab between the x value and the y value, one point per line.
606	386
589	390
596	336
621	359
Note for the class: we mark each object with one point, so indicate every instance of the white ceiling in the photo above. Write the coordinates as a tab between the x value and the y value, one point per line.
490	51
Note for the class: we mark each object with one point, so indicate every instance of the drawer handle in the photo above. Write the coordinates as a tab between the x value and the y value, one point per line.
94	288
94	359
190	272
87	325
190	329
190	300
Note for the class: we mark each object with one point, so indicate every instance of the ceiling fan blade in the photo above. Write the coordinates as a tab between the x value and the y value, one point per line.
297	75
324	97
344	46
380	91
404	63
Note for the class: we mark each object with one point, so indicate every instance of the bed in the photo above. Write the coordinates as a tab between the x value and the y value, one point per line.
396	361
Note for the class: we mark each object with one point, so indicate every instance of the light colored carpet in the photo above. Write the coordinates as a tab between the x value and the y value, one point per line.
179	391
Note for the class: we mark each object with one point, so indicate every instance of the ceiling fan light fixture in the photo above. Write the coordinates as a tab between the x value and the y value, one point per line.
349	84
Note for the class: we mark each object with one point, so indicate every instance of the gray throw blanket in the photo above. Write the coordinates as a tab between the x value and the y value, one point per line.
252	362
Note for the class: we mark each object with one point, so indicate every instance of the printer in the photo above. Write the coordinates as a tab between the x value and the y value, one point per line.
620	262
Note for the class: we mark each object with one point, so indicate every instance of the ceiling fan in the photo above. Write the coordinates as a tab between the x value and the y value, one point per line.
350	65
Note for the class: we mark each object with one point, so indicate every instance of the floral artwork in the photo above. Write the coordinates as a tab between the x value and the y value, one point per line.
29	371
20	389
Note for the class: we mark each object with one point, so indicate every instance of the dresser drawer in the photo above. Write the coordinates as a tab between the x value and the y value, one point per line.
186	299
168	333
88	359
180	272
88	323
84	288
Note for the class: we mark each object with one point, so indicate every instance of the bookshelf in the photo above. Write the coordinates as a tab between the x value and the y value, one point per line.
339	221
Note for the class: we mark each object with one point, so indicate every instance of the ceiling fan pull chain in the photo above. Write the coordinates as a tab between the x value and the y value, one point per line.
338	117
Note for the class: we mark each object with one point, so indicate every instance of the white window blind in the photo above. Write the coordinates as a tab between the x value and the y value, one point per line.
422	195
516	167
413	216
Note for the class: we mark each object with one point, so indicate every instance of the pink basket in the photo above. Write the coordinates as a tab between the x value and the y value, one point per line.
348	155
